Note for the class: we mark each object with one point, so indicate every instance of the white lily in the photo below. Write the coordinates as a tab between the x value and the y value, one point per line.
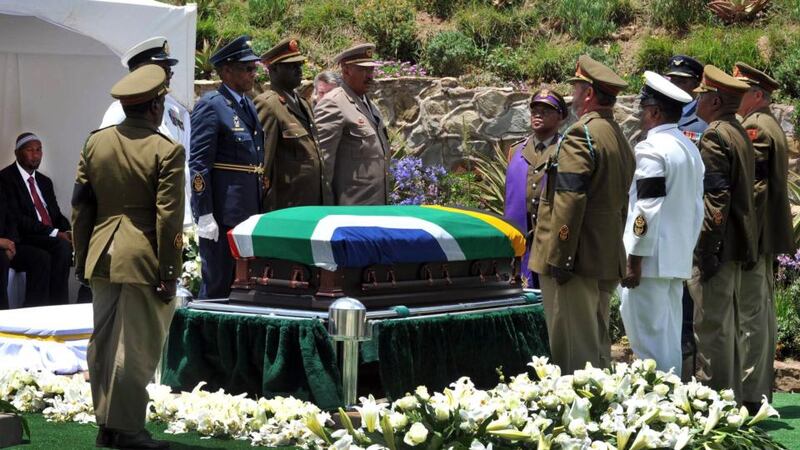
765	411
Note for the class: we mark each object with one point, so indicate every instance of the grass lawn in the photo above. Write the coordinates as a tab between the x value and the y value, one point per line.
70	436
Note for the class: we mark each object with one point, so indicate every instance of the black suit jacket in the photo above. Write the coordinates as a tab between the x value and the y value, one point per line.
8	226
21	204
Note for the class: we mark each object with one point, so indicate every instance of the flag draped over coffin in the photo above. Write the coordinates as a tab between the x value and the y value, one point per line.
330	237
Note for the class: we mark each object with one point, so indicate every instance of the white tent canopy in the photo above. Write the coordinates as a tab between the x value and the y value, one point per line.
58	60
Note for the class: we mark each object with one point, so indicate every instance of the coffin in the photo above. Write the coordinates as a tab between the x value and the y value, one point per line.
385	256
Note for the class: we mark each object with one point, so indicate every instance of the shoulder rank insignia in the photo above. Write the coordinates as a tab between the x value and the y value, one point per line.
717	217
694	136
640	226
563	233
752	133
198	184
173	116
178	242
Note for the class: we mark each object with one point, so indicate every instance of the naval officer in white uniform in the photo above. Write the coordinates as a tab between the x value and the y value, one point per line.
665	212
176	121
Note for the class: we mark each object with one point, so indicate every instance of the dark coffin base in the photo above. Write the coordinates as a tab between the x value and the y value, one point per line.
286	284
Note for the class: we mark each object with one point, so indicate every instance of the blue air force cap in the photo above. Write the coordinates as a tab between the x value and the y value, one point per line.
684	66
238	50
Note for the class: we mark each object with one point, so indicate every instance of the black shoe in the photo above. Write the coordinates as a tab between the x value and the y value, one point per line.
138	440
752	407
105	437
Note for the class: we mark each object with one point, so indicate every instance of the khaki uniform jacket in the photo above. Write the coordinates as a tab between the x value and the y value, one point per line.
355	149
582	213
128	202
771	199
537	159
291	153
729	227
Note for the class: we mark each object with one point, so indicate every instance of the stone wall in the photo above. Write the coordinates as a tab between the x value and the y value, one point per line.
436	116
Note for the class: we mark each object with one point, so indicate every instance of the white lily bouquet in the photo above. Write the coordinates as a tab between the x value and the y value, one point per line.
630	407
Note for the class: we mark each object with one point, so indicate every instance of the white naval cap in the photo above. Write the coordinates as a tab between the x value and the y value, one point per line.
657	86
154	49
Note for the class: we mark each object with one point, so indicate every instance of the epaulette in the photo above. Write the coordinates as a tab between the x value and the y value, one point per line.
100	129
171	141
516	143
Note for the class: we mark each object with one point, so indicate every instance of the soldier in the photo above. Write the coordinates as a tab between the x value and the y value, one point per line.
526	167
577	248
226	163
728	237
352	135
291	152
685	72
775	234
176	121
127	214
664	216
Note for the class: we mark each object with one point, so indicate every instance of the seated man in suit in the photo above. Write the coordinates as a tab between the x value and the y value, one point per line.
43	231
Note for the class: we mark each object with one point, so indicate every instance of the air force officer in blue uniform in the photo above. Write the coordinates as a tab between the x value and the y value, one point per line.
225	163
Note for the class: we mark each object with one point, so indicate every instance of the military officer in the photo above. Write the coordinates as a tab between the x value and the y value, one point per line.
127	214
226	163
352	135
728	238
577	248
176	122
665	211
775	234
685	72
292	159
526	167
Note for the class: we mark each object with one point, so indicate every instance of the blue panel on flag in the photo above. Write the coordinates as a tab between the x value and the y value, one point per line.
363	246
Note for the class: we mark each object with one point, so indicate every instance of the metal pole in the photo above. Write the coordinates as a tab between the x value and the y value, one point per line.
350	371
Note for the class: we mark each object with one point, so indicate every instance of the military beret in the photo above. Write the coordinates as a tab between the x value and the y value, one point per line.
716	80
684	66
287	51
658	87
154	49
143	84
238	50
552	99
599	75
360	55
751	75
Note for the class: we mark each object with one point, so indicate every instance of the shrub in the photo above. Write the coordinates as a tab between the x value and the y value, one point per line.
206	30
449	52
676	15
592	20
392	26
232	20
489	26
722	47
264	12
439	8
654	54
325	17
545	62
506	62
787	313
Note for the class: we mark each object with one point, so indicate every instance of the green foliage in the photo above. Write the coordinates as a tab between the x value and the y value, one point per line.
787	313
489	26
392	26
263	13
654	54
324	18
552	63
439	8
786	9
202	60
722	47
677	15
449	52
460	189
490	170
206	30
593	20
786	71
616	328
232	19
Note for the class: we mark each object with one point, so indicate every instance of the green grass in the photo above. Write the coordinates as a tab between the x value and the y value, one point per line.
48	436
723	46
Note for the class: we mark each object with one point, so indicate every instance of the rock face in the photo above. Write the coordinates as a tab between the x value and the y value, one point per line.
441	121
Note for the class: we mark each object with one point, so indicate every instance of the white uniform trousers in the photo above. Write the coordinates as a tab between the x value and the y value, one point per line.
652	314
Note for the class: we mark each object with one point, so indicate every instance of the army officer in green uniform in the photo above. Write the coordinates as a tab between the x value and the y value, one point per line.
728	238
577	249
127	221
291	152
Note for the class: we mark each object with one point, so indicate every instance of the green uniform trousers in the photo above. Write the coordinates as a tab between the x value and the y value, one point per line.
758	331
716	328
130	326
577	318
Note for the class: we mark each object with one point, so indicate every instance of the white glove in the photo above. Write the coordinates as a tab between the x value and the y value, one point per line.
207	227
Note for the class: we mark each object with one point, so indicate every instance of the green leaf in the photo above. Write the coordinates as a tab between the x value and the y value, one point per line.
388	432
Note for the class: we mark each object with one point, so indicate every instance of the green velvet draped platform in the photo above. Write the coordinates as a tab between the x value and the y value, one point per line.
267	356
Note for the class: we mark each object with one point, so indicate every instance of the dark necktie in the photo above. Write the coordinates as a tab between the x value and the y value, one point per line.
37	203
540	146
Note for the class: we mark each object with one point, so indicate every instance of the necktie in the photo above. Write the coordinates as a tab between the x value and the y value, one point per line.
37	203
540	146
